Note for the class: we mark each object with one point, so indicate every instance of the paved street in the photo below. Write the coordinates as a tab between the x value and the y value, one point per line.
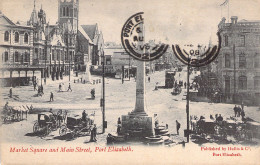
120	99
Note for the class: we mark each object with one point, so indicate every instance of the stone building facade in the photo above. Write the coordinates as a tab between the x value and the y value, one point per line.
238	64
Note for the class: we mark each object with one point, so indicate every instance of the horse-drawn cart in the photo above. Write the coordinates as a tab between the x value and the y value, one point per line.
46	123
76	126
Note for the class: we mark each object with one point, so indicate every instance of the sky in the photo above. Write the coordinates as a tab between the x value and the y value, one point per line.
168	21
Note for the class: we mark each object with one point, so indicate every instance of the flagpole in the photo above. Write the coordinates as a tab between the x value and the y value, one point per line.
221	12
228	11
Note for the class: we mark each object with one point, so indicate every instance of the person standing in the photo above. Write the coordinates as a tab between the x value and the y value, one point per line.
178	126
243	115
11	92
149	79
51	97
93	134
235	110
185	85
239	111
69	88
84	116
59	87
42	89
34	85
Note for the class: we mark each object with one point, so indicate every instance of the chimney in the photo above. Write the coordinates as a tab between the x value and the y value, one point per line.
234	19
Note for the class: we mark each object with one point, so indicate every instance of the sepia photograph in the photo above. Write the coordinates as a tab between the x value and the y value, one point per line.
129	82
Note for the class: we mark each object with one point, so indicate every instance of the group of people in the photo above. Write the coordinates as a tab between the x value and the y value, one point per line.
40	90
61	87
239	111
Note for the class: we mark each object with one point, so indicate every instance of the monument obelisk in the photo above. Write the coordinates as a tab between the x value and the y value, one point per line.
138	120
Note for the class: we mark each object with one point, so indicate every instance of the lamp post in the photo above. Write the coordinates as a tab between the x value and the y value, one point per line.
188	100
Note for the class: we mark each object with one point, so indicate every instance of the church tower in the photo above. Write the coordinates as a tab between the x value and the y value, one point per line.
68	12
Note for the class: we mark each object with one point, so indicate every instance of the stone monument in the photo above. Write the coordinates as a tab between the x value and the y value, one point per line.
137	122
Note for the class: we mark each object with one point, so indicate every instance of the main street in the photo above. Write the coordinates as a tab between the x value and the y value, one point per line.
120	99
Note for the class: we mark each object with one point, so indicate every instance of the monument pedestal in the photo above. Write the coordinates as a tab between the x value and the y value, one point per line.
137	125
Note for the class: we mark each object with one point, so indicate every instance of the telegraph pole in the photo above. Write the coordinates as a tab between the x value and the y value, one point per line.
234	56
103	94
68	54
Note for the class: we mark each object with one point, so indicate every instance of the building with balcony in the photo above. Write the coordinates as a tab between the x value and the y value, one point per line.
16	48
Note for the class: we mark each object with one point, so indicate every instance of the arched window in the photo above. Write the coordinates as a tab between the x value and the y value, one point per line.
227	61
6	57
16	37
61	11
26	38
64	11
16	56
242	82
242	60
71	12
6	38
226	41
67	14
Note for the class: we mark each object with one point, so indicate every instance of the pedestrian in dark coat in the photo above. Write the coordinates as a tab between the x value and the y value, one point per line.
235	110
11	92
178	126
51	97
69	88
239	111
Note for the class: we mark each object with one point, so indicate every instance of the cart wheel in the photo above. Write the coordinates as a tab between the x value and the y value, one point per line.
36	127
75	133
54	126
63	130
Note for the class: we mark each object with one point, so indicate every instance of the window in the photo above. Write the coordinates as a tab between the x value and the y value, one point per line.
242	40
6	37
71	12
226	41
66	56
6	56
242	82
36	53
52	55
16	37
61	13
16	57
257	82
26	38
64	11
256	61
58	54
67	14
227	61
40	54
242	60
75	12
26	57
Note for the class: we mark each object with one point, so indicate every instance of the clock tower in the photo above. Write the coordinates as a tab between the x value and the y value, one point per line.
68	13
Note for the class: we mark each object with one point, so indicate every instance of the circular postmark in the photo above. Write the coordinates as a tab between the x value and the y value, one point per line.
133	41
196	59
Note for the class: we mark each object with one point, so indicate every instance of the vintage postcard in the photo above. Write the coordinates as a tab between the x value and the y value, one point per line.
129	82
